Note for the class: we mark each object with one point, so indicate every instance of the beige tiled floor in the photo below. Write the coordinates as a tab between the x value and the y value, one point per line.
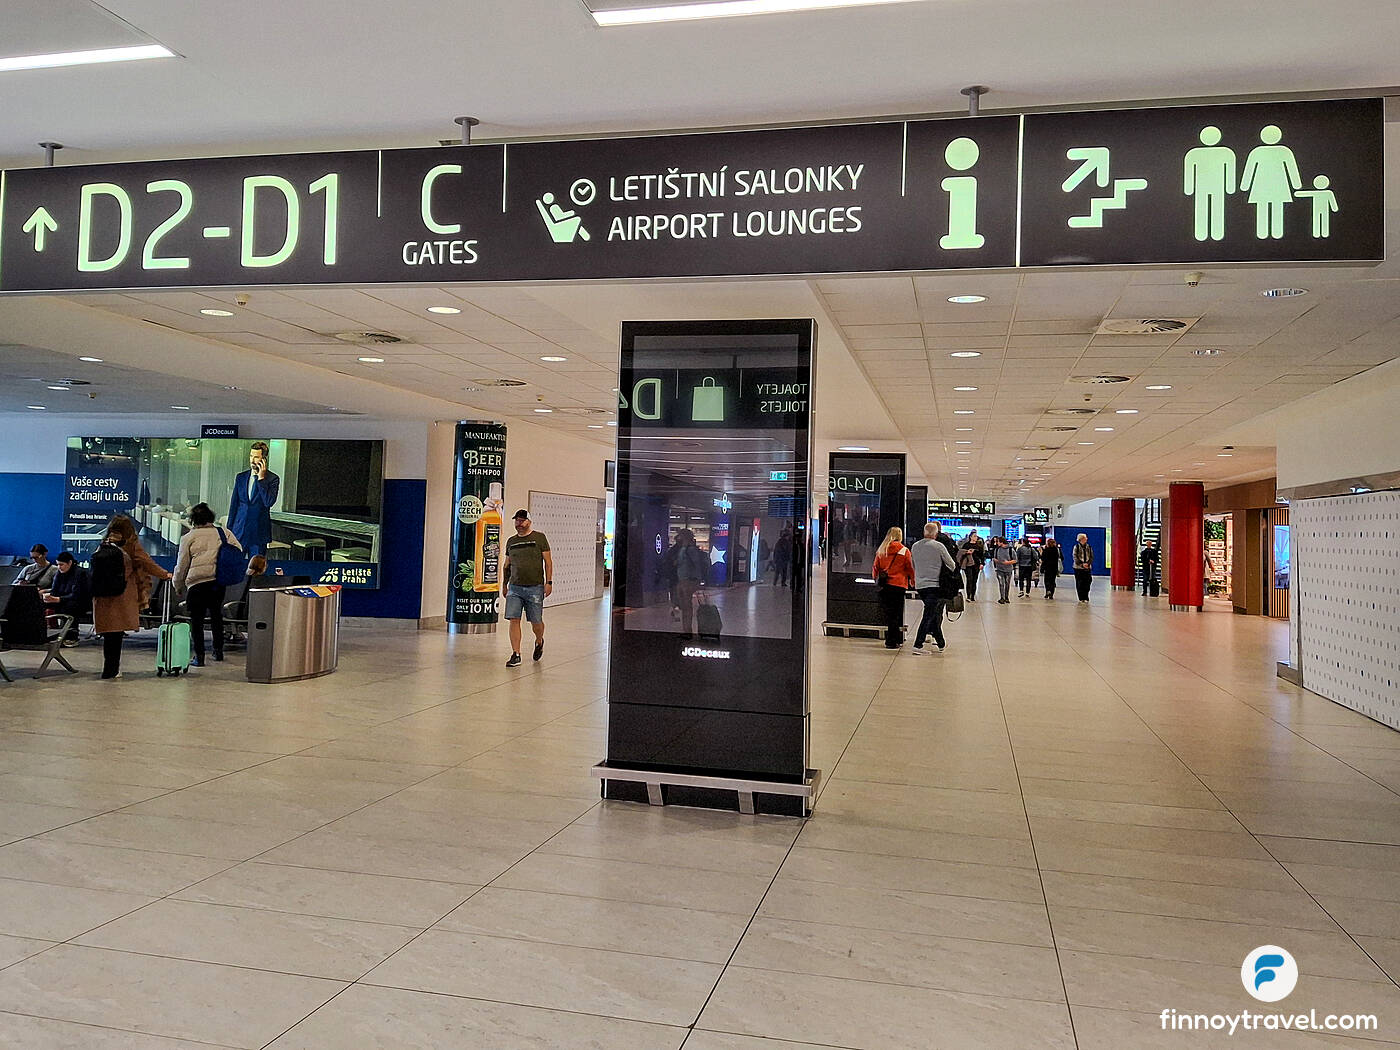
1070	821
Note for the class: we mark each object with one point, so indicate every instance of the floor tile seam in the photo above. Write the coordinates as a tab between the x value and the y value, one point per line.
909	889
287	911
1381	980
908	856
698	867
1334	928
550	942
50	945
512	1002
1040	945
112	1028
134	893
900	984
207	962
592	897
1025	811
693	1029
309	1014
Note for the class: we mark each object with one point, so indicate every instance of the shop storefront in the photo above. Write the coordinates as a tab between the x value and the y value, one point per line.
1247	548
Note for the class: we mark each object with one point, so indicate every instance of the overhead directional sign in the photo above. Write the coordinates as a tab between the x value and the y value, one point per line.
1274	182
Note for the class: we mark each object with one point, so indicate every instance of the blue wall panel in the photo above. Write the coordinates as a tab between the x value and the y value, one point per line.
31	511
400	593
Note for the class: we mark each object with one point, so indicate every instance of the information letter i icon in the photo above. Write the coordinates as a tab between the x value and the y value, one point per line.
961	154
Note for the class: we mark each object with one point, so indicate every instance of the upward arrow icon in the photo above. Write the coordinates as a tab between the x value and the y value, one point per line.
40	224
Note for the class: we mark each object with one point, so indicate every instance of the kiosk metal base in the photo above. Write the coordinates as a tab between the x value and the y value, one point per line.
853	630
655	782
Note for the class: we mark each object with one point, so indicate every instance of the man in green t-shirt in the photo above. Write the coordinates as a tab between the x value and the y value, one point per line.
528	569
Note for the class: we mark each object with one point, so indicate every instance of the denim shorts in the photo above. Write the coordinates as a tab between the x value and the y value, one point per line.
526	600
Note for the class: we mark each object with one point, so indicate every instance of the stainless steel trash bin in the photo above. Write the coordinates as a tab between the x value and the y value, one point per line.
293	632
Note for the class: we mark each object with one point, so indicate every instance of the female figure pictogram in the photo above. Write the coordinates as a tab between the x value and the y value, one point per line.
1270	176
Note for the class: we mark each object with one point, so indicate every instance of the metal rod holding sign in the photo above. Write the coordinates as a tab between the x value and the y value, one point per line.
478	508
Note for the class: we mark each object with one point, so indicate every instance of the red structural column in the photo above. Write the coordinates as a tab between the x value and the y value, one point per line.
1124	517
1186	576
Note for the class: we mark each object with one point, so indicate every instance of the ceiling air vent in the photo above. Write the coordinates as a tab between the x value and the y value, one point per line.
1144	325
368	338
499	382
1099	380
1072	412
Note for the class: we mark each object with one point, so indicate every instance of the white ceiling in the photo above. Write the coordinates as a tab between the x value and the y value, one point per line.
296	75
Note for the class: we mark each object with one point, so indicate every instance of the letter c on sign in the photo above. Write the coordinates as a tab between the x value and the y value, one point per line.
428	180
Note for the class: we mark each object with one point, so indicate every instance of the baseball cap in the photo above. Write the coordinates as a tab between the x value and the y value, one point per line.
522	513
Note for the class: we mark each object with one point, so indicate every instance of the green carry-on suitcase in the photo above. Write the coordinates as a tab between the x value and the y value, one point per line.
172	643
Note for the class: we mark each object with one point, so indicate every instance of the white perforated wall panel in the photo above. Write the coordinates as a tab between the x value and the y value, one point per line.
573	525
1346	571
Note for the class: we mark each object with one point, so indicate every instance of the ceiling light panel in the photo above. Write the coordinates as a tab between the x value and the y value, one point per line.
640	12
96	56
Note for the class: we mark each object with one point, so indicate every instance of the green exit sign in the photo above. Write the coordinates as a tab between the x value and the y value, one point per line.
777	475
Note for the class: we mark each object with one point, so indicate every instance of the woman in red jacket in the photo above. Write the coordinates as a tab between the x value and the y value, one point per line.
894	574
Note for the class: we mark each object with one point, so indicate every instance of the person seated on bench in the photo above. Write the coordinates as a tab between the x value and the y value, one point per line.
70	594
39	572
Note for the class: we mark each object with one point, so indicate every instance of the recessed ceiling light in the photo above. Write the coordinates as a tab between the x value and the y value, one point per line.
1062	462
1224	455
612	422
230	388
181	408
961	299
1126	411
964	451
60	388
1206	351
965	389
370	360
1104	430
37	408
595	426
606	15
1159	386
964	412
443	310
1084	442
962	430
554	359
853	448
544	410
85	58
91	360
1176	470
962	442
966	353
1282	293
217	313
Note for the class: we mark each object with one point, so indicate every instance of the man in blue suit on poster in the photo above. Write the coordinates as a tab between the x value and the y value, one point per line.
250	510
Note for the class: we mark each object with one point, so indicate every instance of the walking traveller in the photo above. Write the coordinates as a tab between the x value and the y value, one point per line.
1004	563
528	568
119	596
1148	559
972	555
894	573
198	568
1051	563
691	568
1083	556
937	579
1027	561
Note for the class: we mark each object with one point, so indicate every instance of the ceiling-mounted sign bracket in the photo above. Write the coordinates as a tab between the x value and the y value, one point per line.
466	124
50	148
974	93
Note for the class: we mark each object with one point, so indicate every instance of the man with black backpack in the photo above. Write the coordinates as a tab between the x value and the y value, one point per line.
937	580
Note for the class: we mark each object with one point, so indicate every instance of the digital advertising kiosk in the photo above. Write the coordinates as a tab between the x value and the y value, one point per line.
707	683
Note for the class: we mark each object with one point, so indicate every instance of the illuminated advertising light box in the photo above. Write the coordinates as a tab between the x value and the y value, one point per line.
708	655
312	508
865	499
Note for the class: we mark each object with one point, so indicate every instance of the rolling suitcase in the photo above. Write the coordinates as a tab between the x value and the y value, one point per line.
172	643
707	619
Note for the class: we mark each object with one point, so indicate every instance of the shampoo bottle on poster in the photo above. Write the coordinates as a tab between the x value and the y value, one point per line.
488	542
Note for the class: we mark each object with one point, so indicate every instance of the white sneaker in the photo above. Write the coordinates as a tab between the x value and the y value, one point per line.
918	650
